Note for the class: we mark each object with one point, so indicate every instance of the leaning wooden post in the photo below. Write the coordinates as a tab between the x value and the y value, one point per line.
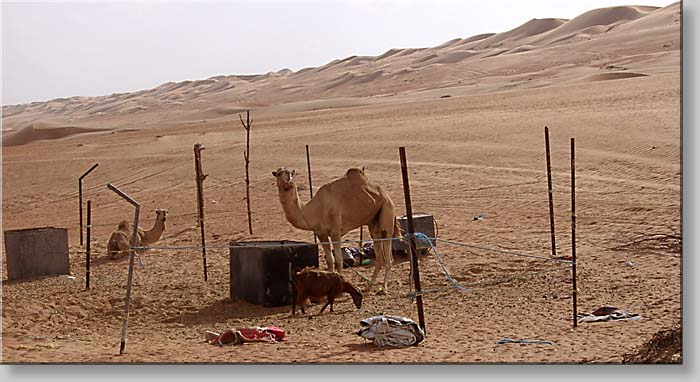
132	252
199	178
412	240
87	248
308	169
80	198
246	156
549	189
573	230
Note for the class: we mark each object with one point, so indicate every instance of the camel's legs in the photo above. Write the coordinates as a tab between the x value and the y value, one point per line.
384	230
327	251
388	260
379	258
337	251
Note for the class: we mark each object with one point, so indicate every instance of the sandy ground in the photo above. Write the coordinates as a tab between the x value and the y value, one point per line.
470	113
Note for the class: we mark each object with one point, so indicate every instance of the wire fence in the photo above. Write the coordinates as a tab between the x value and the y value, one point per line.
420	237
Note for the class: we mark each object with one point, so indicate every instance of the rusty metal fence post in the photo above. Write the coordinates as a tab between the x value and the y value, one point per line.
551	193
573	231
412	239
87	247
308	169
134	241
80	199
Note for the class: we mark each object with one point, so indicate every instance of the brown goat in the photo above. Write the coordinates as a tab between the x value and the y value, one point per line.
315	283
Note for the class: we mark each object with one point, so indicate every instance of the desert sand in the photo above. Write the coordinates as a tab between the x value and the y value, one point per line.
471	114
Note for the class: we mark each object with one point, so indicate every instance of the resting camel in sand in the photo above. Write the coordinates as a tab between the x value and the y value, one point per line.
119	242
339	207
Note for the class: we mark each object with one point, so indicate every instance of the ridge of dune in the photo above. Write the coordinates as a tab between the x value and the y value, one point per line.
531	28
482	57
662	17
607	17
42	131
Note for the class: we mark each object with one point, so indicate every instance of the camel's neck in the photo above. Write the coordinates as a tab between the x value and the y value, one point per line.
293	209
153	234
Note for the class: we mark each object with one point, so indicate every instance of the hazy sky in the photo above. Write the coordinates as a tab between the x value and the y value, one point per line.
52	50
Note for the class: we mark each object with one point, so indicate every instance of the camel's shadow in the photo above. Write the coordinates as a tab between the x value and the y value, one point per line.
102	260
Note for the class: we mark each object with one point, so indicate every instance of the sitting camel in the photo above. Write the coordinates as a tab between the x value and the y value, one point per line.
119	242
339	207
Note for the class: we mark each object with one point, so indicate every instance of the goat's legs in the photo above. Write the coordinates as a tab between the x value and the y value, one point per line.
298	301
329	302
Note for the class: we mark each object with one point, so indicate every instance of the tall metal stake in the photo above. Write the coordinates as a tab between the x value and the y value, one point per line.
573	230
87	248
132	253
412	240
80	198
361	249
199	178
549	189
246	156
308	169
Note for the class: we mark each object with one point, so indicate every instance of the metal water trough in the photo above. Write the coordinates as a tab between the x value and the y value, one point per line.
421	223
261	271
36	252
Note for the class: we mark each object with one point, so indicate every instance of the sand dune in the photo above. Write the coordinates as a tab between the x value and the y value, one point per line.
470	113
607	17
481	60
531	28
42	131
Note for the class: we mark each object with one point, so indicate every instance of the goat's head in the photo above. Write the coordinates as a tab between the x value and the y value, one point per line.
357	298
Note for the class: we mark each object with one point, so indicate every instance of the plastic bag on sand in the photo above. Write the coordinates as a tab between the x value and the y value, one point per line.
391	331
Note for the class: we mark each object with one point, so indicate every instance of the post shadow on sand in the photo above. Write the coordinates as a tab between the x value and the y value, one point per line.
224	309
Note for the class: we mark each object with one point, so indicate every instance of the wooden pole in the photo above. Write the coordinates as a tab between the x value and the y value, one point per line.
80	199
199	178
573	231
246	156
87	248
132	253
412	240
549	190
308	169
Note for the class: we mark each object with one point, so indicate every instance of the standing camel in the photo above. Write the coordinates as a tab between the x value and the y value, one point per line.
120	241
339	207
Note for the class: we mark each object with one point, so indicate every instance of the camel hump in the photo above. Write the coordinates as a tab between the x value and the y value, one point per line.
356	176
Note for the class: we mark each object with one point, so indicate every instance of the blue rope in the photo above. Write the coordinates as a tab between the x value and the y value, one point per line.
424	239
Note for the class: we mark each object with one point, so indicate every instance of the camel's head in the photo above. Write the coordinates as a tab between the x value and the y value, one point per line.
161	213
285	178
